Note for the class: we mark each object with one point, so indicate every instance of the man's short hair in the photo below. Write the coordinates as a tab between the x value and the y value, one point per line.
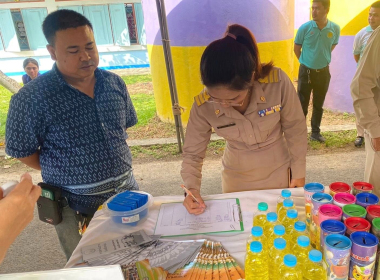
325	3
62	20
376	4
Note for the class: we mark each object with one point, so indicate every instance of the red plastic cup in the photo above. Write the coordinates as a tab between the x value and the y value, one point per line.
359	187
341	199
373	211
354	224
329	212
339	187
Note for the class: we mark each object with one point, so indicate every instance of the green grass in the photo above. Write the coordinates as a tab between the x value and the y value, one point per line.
134	79
5	97
145	107
334	140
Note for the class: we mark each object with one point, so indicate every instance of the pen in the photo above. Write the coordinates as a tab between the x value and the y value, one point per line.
189	193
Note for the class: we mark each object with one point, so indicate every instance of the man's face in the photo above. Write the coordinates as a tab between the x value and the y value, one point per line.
318	11
75	52
374	17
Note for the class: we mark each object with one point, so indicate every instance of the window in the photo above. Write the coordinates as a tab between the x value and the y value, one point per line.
18	23
131	21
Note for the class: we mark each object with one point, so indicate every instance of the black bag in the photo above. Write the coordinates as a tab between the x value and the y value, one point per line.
50	205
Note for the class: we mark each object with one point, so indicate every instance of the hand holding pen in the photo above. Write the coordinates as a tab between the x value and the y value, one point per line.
193	201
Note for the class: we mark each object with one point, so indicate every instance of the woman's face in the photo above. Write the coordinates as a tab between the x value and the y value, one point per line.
227	97
32	70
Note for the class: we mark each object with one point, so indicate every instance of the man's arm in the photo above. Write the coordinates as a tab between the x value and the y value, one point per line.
363	87
297	50
32	161
357	57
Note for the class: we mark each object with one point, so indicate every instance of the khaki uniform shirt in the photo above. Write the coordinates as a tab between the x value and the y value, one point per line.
365	87
274	113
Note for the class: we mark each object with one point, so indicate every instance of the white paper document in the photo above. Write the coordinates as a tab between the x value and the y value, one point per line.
93	273
220	216
126	242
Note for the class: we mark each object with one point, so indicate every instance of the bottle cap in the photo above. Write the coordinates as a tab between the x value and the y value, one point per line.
279	230
315	256
257	231
256	247
290	260
280	243
271	217
303	241
292	213
286	193
288	202
299	226
263	206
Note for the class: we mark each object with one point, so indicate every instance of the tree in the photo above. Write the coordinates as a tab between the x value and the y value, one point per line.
9	83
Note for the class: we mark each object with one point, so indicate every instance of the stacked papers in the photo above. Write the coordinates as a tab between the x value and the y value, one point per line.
147	257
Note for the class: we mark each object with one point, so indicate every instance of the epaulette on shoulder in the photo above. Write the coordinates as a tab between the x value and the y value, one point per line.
201	98
273	77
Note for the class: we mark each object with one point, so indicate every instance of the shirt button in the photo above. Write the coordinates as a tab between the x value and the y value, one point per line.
103	124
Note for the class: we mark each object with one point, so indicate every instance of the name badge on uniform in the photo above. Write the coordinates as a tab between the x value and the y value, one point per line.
270	110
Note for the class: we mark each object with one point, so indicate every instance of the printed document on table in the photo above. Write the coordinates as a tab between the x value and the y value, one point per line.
221	215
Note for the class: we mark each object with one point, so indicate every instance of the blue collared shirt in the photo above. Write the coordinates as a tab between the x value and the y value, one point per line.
82	140
361	39
316	43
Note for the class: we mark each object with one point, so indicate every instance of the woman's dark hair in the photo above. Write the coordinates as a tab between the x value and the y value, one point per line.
30	60
62	20
233	62
376	4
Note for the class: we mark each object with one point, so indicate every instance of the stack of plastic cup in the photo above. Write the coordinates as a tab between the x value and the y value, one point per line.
317	200
329	227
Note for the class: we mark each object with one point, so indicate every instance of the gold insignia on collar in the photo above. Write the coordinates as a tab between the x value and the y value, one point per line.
262	98
217	111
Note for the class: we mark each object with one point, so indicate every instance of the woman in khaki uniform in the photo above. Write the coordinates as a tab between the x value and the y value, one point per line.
254	106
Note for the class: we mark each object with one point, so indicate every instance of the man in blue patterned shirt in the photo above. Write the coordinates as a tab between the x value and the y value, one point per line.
71	123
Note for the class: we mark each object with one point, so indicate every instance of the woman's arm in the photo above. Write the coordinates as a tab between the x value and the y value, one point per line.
198	133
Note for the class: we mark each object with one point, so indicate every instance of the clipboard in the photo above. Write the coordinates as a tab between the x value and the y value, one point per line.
220	216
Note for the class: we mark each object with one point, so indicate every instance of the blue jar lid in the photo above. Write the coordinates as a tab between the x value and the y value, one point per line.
338	242
288	202
314	187
263	206
292	213
271	217
256	247
322	197
286	193
257	231
280	243
290	260
367	198
364	239
303	241
300	226
315	256
333	226
279	230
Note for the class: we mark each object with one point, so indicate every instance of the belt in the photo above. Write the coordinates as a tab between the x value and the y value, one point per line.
316	70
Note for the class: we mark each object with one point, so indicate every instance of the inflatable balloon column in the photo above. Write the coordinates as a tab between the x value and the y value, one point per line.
193	24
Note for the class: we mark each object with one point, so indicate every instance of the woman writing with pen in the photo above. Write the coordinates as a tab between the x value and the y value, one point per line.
254	106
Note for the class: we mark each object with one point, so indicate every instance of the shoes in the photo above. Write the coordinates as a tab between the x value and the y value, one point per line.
359	141
317	137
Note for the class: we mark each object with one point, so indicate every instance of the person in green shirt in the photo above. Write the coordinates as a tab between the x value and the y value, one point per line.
314	42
